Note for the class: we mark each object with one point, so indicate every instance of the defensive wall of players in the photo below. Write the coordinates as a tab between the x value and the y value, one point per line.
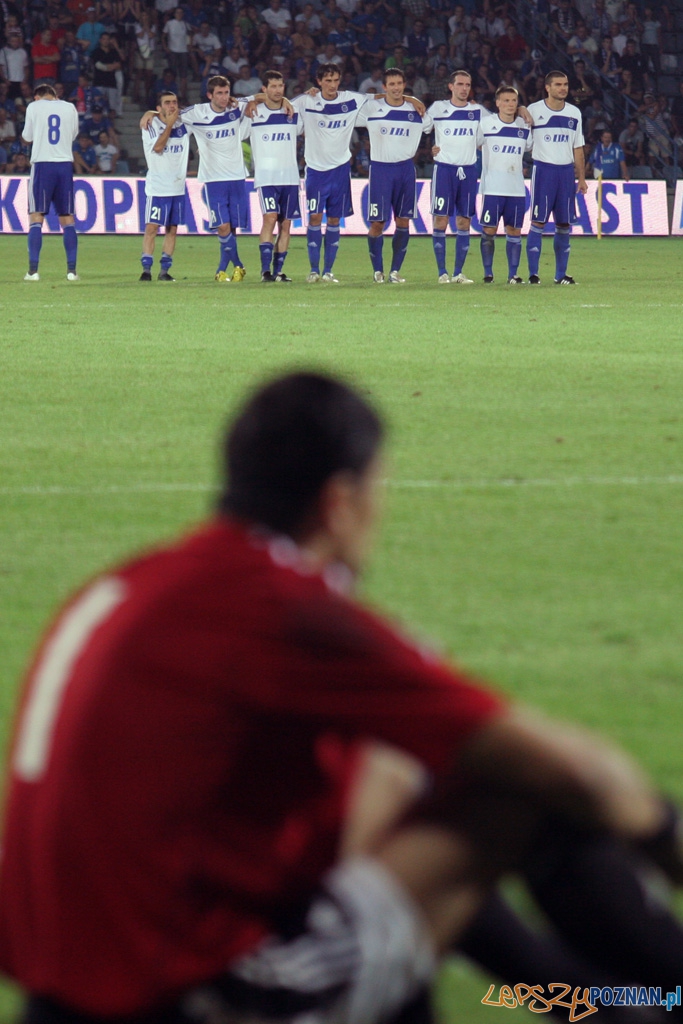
117	206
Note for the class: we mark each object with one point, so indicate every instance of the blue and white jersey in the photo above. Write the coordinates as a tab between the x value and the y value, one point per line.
328	125
456	131
273	145
502	154
394	131
166	171
52	126
556	133
219	140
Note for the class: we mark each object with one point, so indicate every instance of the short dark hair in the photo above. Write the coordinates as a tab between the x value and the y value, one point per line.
167	92
327	69
272	76
44	90
292	435
216	82
460	71
506	88
392	73
552	75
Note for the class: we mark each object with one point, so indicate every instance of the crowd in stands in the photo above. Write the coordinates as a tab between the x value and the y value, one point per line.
93	52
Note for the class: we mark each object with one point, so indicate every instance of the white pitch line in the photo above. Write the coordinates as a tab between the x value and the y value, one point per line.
455	485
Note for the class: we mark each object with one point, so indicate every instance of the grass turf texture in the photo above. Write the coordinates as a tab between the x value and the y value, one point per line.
534	512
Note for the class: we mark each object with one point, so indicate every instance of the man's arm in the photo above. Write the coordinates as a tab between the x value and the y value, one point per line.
624	170
160	145
580	168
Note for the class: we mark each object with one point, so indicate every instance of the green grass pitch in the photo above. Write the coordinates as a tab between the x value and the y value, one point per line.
533	524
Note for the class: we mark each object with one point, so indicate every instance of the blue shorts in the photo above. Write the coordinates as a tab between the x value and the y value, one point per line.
167	211
51	183
280	199
454	190
510	208
329	191
553	190
226	202
392	187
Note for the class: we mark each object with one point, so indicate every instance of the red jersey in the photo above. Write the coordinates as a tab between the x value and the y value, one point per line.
182	760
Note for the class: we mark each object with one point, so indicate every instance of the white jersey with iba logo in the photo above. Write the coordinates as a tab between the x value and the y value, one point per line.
394	131
456	131
328	125
502	152
52	126
273	136
166	171
219	138
557	133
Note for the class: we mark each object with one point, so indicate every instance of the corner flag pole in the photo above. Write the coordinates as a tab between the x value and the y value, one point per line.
599	232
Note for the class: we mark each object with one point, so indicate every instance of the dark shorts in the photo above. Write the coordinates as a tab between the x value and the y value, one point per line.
454	190
553	191
329	191
226	202
392	189
510	208
280	199
166	211
51	183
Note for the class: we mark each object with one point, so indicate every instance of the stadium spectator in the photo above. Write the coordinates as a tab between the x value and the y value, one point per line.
8	131
18	163
582	46
609	158
107	154
437	84
90	31
583	87
97	123
677	111
86	97
234	61
491	26
598	21
106	61
656	130
85	157
397	59
564	20
415	84
597	120
418	42
247	84
651	40
373	83
176	43
608	62
632	141
619	39
166	83
14	66
309	20
71	63
46	59
630	24
276	15
4	157
512	47
299	85
143	57
370	46
12	29
634	62
127	16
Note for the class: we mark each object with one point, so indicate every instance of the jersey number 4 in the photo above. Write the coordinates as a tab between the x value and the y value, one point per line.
53	671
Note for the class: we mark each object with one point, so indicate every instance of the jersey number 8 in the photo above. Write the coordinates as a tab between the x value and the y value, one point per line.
53	124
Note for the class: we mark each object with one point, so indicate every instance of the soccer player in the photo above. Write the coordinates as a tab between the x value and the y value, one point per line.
52	126
558	155
454	183
273	138
395	128
217	743
329	118
166	142
505	137
219	127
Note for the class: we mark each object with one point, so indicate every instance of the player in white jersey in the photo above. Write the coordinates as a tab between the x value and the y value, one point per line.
504	140
273	138
395	128
166	142
329	118
558	154
52	126
454	183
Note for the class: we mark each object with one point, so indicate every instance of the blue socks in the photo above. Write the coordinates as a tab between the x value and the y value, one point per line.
513	251
534	240
439	243
147	262
70	247
266	250
35	241
228	251
331	247
314	241
488	248
462	247
562	246
166	262
280	258
399	247
375	246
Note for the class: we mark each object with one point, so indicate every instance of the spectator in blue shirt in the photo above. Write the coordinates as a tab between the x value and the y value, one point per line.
90	31
71	63
85	157
609	157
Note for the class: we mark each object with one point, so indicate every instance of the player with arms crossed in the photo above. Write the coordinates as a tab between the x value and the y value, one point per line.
454	183
329	117
273	136
558	155
166	142
394	127
505	137
52	126
217	745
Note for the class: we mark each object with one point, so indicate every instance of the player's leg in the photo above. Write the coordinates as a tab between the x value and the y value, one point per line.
314	231
490	216
238	216
564	213
441	209
35	244
175	215
288	205
268	200
70	239
148	243
337	200
63	200
513	218
332	236
542	195
465	205
379	211
404	205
